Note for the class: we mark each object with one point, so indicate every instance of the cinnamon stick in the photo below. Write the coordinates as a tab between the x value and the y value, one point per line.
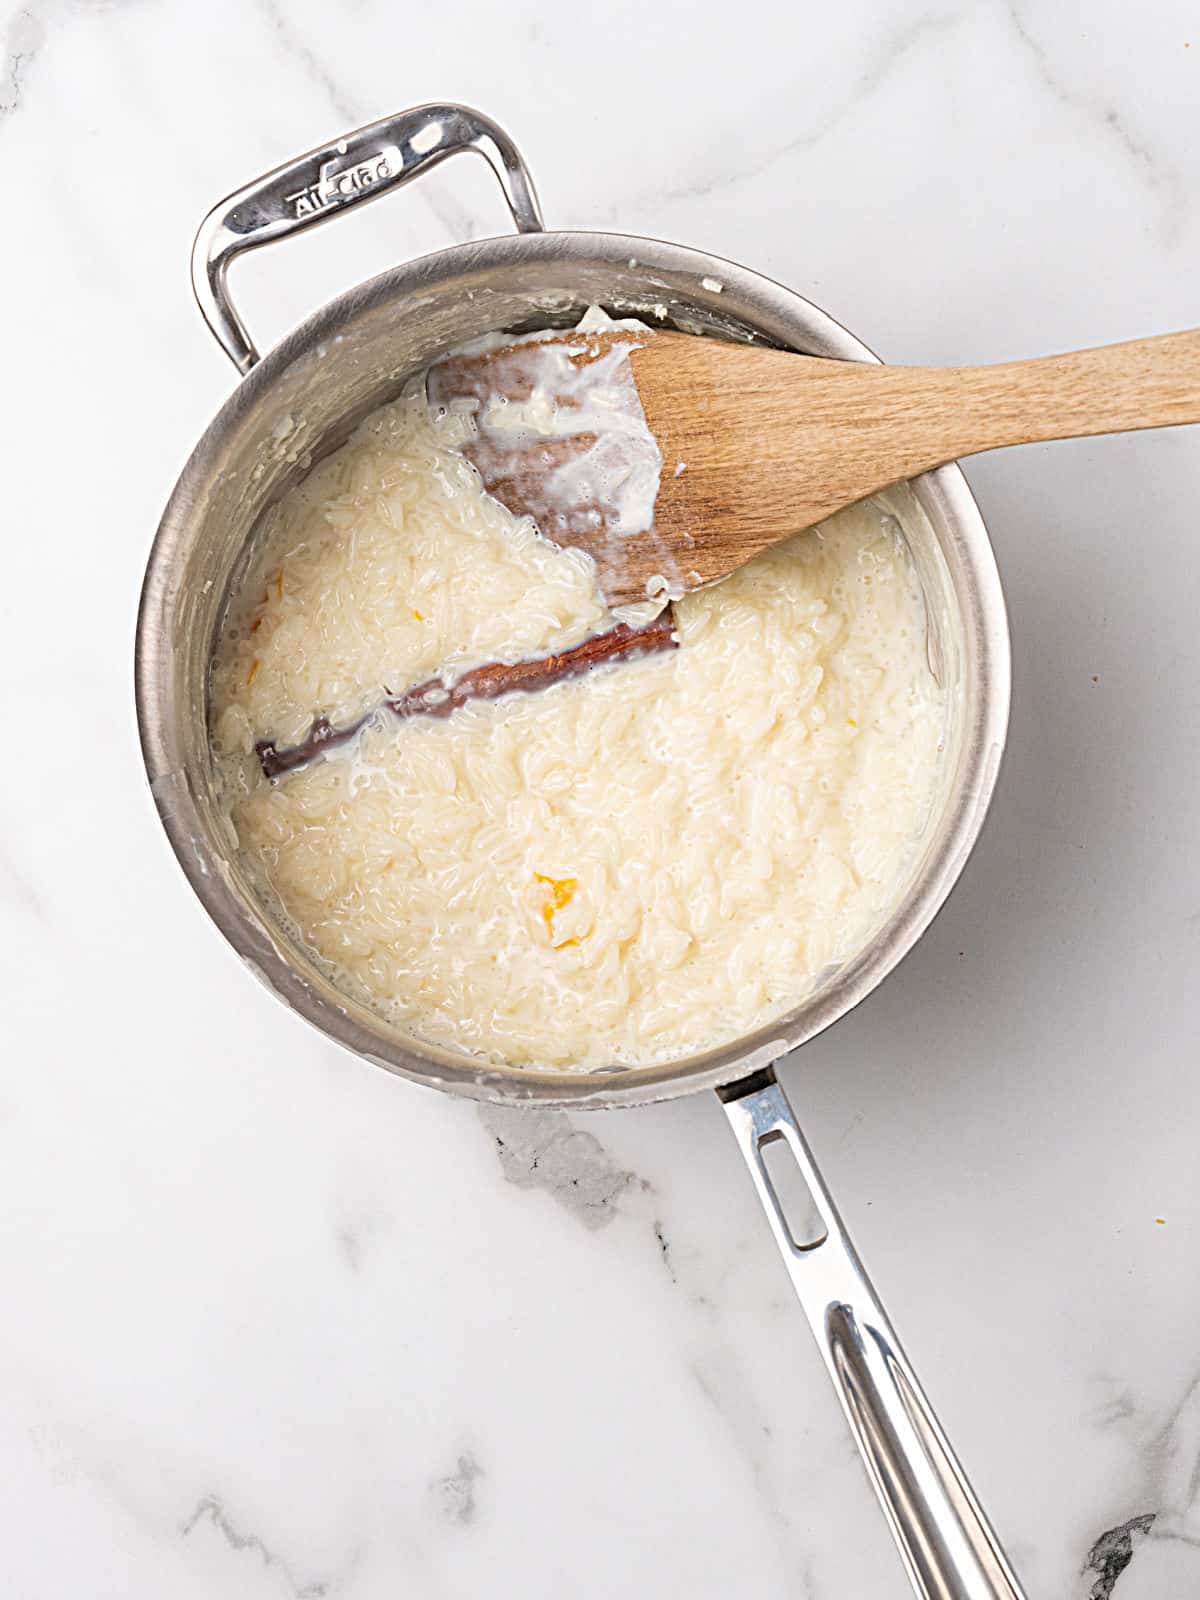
435	699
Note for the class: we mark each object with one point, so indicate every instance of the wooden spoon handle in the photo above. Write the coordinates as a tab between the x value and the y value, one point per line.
958	411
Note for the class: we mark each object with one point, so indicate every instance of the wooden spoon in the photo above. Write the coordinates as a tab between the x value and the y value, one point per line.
758	444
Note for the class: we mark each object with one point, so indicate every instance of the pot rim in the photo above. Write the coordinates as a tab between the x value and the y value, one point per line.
942	494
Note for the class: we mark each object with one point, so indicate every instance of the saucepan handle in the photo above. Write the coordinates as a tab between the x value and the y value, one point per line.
947	1544
358	167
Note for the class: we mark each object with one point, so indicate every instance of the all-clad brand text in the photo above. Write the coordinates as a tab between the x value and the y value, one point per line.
338	182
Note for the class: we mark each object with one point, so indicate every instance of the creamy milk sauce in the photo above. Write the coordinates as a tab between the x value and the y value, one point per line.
624	867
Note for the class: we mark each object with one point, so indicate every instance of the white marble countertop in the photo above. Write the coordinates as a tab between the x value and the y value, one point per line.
278	1324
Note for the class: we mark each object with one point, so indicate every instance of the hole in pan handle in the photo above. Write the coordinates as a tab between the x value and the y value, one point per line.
353	170
947	1544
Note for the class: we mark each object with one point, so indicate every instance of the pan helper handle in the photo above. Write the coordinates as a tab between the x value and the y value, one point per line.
354	169
945	1540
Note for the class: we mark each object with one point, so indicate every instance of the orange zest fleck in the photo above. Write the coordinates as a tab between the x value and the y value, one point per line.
253	673
561	893
1162	1221
418	615
260	612
279	583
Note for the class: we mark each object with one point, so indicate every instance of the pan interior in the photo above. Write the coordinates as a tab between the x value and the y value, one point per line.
303	402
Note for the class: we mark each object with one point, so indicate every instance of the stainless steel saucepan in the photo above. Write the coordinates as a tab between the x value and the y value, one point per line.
302	400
